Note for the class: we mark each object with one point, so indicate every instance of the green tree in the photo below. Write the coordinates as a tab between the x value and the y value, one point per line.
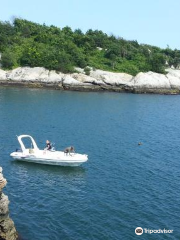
87	70
157	63
25	43
8	59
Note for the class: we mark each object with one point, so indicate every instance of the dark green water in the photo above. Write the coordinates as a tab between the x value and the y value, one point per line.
123	186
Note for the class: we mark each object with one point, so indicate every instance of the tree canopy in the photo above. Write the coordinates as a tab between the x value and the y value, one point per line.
25	43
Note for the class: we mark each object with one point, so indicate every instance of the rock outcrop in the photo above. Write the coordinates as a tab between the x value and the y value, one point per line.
174	78
34	74
110	78
98	80
151	80
3	75
7	229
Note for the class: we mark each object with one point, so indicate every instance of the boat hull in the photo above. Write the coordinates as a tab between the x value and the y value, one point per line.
51	158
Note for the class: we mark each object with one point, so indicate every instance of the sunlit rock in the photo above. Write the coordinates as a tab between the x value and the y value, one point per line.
3	75
70	81
111	78
37	74
151	80
96	80
7	228
87	79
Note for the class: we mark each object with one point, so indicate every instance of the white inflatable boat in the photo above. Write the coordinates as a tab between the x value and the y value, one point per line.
51	157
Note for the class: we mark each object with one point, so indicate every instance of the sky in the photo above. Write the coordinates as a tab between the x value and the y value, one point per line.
154	22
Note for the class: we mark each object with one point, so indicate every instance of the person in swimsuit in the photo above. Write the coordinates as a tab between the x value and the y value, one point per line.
48	145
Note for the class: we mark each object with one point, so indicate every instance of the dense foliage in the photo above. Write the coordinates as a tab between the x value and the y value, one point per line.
25	43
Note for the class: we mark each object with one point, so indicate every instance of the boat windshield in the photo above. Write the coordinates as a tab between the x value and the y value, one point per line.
28	143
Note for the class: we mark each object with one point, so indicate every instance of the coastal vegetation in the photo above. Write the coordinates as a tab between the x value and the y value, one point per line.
25	43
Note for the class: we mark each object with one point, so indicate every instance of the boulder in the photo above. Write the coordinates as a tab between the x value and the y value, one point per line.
174	78
55	77
110	78
174	82
3	75
39	74
79	70
70	81
172	72
25	74
4	202
87	79
3	181
151	80
7	228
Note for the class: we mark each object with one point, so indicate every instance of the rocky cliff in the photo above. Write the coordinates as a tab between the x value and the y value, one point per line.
7	229
98	80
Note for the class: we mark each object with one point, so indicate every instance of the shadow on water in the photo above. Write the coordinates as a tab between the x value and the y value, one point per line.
63	170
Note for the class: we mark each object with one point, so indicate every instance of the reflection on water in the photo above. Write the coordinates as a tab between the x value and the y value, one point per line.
66	171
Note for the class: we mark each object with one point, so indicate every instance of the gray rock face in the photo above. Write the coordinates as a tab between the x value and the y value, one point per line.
3	75
87	79
33	74
3	181
110	78
70	81
151	80
4	202
7	229
97	80
174	78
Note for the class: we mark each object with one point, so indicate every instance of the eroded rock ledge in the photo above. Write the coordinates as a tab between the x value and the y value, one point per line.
7	229
98	80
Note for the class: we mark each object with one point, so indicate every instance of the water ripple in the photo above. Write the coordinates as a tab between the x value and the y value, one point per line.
121	187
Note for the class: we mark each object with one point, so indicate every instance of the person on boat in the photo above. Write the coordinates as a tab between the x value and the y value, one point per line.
69	150
48	145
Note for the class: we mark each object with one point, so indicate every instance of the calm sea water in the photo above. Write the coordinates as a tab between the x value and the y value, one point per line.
121	187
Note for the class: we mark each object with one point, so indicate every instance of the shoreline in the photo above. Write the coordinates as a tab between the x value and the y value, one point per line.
96	81
95	88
